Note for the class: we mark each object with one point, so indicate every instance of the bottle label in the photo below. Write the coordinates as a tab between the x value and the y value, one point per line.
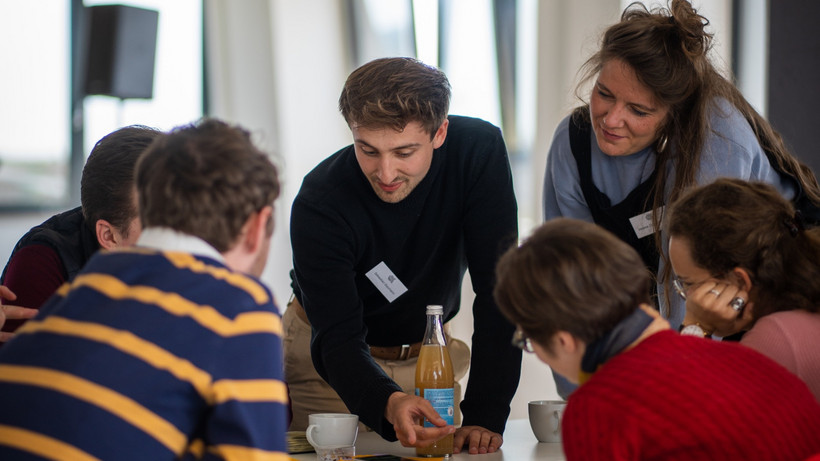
442	401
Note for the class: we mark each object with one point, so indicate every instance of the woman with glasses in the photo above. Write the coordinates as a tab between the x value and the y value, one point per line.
743	261
580	298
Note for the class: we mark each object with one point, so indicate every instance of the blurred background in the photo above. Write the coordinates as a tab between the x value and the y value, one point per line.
277	67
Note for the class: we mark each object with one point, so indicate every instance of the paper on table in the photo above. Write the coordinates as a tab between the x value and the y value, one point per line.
298	443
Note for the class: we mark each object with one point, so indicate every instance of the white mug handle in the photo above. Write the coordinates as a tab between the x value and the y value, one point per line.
309	435
557	415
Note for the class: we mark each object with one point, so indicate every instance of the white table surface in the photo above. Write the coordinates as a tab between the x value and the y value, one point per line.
519	445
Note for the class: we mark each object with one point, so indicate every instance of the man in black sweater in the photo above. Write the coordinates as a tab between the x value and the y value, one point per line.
385	227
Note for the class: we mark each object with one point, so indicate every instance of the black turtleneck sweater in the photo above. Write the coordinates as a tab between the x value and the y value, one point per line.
462	215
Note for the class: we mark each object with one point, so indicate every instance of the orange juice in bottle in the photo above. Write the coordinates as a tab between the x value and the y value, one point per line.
434	380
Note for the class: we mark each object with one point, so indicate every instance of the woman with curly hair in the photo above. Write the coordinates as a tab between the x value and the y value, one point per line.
743	261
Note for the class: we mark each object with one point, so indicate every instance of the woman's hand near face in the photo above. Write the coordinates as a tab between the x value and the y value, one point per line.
709	305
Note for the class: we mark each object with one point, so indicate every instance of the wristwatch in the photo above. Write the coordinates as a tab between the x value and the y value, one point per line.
695	330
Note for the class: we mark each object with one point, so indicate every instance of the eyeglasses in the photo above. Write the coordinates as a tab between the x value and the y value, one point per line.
521	341
682	287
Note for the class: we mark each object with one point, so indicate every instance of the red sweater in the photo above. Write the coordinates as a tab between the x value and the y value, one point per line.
680	397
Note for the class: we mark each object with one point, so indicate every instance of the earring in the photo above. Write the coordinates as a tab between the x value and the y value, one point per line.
662	143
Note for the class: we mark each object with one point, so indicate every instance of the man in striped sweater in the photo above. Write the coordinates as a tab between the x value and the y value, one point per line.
171	349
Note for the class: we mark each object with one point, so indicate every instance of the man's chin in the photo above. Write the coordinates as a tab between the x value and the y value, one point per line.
391	197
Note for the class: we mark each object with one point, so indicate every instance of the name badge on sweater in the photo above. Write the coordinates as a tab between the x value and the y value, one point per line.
386	281
642	223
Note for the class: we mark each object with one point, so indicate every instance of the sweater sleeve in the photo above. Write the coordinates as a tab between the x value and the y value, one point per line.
562	185
323	254
34	273
490	228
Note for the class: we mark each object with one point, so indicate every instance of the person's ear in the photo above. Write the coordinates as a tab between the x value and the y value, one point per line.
107	234
257	229
741	277
441	134
566	342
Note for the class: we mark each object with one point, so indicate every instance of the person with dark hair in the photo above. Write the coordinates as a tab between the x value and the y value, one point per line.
170	349
743	261
660	118
53	252
580	297
380	230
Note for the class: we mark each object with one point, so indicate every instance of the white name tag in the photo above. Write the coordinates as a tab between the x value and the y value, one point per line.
386	281
642	223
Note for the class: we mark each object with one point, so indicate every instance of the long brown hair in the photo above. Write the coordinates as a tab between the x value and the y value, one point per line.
733	223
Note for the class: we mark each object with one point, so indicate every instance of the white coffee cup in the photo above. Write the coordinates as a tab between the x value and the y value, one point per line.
331	430
545	419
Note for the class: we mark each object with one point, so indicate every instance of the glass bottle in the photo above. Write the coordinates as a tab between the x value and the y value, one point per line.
434	380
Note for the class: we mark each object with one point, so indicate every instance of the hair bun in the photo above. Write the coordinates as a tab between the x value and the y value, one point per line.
695	41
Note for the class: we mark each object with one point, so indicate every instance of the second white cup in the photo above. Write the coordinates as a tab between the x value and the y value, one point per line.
545	419
329	430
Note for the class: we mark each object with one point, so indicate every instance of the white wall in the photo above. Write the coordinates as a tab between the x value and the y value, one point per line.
278	70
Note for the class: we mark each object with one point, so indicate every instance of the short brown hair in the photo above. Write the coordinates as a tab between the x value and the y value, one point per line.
573	276
392	92
107	184
733	223
205	179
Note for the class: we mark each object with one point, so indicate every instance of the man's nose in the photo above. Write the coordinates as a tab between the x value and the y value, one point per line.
387	170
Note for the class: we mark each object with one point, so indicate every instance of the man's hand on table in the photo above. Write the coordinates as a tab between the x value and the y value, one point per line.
404	411
477	439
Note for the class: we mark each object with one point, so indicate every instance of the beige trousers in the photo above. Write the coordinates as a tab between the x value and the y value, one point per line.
309	393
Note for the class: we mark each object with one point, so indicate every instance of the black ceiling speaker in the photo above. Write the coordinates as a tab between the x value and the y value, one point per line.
121	46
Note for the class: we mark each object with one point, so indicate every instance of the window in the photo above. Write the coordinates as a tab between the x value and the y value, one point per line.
34	102
35	114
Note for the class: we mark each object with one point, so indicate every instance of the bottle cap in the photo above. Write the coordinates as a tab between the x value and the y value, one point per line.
434	309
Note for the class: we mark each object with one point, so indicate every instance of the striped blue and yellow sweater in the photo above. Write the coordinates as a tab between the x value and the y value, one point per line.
147	355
